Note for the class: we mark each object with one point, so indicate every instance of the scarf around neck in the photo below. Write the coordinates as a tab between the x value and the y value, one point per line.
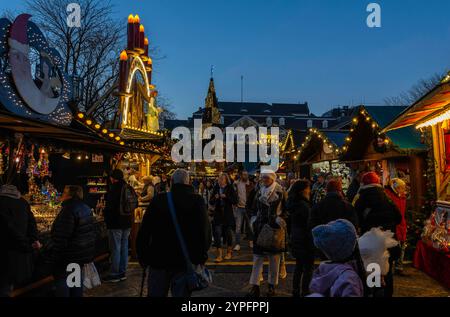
266	192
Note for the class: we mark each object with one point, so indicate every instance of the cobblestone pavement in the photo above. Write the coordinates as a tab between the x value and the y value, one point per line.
230	279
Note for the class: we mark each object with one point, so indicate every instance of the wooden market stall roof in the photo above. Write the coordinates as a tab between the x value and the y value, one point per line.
367	126
312	149
427	108
406	138
75	136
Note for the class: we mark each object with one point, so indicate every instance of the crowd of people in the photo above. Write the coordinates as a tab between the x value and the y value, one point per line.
308	220
301	218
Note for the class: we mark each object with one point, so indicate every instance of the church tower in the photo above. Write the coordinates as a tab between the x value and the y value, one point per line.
211	115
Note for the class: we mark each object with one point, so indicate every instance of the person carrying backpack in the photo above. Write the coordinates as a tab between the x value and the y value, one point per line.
121	201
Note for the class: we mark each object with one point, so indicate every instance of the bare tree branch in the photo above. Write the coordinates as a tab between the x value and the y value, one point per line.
422	87
90	51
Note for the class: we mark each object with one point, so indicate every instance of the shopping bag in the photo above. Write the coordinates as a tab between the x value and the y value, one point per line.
91	278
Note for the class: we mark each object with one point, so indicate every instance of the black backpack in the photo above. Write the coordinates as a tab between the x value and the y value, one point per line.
128	200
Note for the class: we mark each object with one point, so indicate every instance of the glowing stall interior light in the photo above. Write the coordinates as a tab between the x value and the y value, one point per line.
442	117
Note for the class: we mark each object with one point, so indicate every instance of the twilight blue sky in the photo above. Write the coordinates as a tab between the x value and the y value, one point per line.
320	51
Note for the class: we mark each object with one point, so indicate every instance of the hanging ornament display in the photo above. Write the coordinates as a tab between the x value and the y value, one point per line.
31	163
42	167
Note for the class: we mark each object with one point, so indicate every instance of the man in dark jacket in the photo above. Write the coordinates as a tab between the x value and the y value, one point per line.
332	207
157	243
18	238
119	228
72	239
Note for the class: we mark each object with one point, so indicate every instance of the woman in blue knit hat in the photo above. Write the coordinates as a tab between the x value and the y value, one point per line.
342	275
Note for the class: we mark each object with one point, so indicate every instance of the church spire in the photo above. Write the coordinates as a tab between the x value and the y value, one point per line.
211	114
211	98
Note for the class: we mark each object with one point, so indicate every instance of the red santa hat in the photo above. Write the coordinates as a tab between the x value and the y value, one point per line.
370	178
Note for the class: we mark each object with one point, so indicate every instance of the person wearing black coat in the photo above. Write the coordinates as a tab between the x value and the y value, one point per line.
298	208
223	198
157	244
119	228
72	239
375	209
18	239
354	187
333	207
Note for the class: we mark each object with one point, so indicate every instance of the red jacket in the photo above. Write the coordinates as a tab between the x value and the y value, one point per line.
400	202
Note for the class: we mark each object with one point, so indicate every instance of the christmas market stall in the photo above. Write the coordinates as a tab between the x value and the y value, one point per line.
431	116
395	154
319	154
45	143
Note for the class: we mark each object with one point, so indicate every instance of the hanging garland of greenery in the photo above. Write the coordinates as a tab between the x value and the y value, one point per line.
418	217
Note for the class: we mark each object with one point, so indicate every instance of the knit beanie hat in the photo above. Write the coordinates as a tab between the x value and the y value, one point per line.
337	239
370	178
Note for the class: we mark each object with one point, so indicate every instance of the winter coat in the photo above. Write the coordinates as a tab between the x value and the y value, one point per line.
352	190
72	235
331	208
207	194
300	242
161	187
400	202
267	214
318	192
147	193
157	244
242	201
223	207
336	280
113	218
18	231
375	209
250	201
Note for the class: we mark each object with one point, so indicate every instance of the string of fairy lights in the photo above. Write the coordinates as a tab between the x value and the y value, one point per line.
362	115
365	116
110	135
322	136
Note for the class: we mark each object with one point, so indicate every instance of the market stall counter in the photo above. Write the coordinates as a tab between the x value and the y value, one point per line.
433	262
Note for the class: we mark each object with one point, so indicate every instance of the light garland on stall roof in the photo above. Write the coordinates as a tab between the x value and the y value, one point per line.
103	131
144	130
354	123
97	127
440	118
315	132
